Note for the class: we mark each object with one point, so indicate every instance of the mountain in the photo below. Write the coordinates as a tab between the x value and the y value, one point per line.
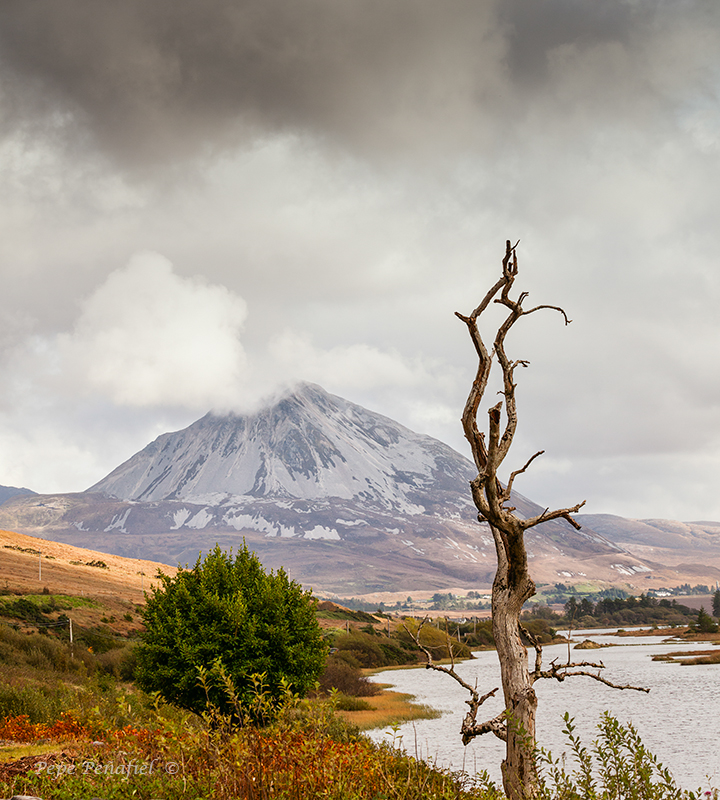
6	492
347	500
311	446
687	547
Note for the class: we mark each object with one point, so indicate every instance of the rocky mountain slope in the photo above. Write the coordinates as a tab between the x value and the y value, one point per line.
345	499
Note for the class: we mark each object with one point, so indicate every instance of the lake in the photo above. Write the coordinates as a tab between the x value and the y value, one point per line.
679	720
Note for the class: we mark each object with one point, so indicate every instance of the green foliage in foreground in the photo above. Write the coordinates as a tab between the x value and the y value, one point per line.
229	616
619	767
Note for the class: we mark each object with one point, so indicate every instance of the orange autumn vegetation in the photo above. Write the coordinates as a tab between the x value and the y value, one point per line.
19	729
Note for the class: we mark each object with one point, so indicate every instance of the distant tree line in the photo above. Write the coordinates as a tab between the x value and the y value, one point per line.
449	602
616	611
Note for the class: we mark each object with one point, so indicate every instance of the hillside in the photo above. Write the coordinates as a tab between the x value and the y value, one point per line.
6	492
30	565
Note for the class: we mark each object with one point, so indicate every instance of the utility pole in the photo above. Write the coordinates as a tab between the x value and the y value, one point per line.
40	567
72	649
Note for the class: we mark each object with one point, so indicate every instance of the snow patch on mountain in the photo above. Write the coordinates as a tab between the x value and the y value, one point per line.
200	520
180	517
118	522
256	523
320	532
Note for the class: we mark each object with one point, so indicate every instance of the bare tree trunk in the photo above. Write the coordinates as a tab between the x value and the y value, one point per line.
510	591
512	585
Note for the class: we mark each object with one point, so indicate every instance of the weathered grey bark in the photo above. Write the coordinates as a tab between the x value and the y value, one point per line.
512	585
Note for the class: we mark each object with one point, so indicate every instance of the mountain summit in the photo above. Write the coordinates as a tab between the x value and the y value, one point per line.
309	445
344	498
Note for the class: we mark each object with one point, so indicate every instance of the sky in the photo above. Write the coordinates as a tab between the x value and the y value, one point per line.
204	202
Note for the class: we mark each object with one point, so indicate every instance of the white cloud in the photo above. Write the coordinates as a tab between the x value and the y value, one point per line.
343	368
148	337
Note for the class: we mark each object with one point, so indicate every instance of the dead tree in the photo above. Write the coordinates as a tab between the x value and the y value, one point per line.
512	585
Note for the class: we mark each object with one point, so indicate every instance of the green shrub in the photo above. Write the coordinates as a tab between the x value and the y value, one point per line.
618	767
344	702
41	703
228	616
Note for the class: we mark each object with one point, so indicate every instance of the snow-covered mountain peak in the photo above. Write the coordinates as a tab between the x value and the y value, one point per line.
308	445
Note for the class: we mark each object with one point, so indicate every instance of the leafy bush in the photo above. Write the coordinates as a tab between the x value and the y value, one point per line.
231	618
340	675
344	702
619	767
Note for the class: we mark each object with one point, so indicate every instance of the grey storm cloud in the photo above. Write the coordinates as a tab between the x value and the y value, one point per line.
154	81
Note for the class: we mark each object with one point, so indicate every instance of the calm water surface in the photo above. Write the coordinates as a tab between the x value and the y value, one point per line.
679	720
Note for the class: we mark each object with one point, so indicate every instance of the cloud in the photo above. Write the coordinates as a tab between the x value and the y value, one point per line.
156	83
148	337
344	369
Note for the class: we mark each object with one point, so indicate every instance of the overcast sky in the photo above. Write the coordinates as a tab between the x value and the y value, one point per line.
204	201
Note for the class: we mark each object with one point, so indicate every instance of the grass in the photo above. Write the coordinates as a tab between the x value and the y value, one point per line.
63	601
307	752
692	657
12	752
109	740
388	708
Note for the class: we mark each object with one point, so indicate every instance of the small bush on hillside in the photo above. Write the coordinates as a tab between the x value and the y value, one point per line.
340	675
360	649
36	650
119	662
40	703
437	641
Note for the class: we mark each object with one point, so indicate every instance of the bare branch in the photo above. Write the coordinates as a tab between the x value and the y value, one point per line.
546	515
536	646
497	725
559	672
552	308
513	475
470	727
